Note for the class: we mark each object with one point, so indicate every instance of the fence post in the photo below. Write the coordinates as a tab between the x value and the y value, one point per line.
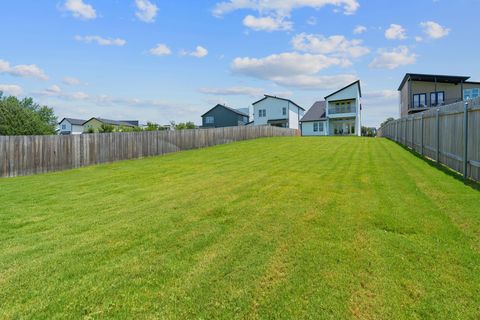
413	132
438	135
421	132
465	141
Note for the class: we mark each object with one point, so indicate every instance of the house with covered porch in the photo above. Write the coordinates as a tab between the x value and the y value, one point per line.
339	114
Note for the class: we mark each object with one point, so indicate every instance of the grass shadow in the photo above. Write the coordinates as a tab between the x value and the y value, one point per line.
439	166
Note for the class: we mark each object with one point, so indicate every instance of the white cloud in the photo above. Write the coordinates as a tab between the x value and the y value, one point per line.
308	82
234	91
434	30
160	50
393	59
80	9
292	69
282	8
102	41
395	32
11	89
146	11
22	70
379	105
200	52
267	23
337	45
70	81
57	92
418	39
359	29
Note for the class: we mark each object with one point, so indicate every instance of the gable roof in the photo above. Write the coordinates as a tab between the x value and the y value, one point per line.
432	78
317	112
266	96
75	122
351	84
228	108
125	123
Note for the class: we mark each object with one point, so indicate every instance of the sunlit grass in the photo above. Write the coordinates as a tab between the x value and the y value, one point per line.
334	228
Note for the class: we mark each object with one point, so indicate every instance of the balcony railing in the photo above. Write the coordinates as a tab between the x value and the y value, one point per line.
342	109
433	105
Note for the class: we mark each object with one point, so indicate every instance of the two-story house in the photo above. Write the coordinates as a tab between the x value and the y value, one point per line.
222	116
419	92
339	114
278	112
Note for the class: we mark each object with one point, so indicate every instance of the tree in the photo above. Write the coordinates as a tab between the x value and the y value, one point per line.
152	126
25	117
106	128
369	132
184	125
387	121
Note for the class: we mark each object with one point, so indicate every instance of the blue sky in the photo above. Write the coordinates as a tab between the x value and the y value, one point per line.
162	60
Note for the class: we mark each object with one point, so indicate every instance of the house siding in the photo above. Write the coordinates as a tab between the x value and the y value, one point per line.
453	93
223	118
274	108
352	94
307	129
69	128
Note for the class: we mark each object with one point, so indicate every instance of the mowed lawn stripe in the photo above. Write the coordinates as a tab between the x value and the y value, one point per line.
333	228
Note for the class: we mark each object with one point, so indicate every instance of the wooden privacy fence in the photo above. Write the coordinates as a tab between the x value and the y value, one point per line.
448	134
25	155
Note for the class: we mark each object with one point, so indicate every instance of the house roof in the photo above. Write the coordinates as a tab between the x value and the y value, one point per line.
75	122
228	108
432	78
351	84
279	98
317	112
125	123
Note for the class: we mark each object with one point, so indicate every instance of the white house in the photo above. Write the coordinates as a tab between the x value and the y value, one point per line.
71	126
278	112
339	114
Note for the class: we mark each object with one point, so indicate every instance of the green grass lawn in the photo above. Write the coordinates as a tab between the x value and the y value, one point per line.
325	228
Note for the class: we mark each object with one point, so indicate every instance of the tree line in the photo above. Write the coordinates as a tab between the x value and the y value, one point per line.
25	117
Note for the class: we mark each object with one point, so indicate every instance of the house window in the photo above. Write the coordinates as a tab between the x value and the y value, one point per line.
437	98
318	127
471	93
64	126
420	100
284	111
209	120
262	113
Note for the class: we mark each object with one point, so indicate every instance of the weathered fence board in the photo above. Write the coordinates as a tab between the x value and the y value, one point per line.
26	155
448	134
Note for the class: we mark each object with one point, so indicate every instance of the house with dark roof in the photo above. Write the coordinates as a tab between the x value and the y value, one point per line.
339	114
314	122
94	124
70	126
420	92
222	116
277	111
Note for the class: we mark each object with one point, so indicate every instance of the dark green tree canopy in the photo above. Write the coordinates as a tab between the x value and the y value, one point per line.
25	117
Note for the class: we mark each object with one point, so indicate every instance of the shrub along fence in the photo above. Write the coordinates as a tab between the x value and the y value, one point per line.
449	134
26	155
